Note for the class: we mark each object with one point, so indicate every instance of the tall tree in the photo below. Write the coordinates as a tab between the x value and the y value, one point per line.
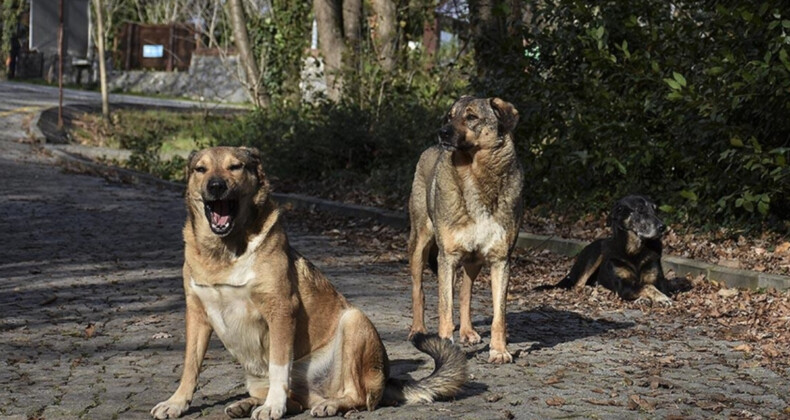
494	25
257	92
385	32
329	19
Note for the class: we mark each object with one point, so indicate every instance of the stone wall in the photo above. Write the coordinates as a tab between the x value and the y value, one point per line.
210	78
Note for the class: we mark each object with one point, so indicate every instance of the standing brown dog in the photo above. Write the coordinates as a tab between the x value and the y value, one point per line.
465	210
275	312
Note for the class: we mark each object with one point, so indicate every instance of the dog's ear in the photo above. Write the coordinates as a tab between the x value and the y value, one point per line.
255	161
616	215
506	113
190	164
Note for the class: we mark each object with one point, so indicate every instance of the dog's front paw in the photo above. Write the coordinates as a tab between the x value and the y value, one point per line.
241	408
169	409
469	336
267	412
326	408
499	357
662	300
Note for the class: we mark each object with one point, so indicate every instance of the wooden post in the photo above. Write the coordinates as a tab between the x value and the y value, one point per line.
105	98
60	66
128	58
171	47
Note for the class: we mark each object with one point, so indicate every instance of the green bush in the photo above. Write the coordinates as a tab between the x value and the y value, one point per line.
686	102
370	140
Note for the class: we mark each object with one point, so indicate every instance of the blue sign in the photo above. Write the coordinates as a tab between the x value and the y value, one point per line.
153	51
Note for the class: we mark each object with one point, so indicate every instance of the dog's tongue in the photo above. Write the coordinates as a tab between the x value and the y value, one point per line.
220	213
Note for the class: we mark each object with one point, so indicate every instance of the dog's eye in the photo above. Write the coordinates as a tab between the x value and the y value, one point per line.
471	117
200	169
236	167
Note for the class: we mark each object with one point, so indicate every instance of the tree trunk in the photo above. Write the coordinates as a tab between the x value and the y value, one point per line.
495	35
253	76
105	97
328	17
386	32
352	21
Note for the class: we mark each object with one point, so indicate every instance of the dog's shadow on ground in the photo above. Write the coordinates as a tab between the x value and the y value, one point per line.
545	327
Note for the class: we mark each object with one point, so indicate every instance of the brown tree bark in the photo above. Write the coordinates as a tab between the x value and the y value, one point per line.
253	77
328	16
386	32
352	22
105	97
494	33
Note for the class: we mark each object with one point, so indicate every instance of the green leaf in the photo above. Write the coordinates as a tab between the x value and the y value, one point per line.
715	71
784	59
672	84
736	141
689	195
763	207
598	33
679	78
666	208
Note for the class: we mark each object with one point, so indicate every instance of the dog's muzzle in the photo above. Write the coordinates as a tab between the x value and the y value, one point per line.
446	138
219	208
220	215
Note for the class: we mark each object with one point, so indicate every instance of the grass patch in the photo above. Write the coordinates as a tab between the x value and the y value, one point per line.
158	139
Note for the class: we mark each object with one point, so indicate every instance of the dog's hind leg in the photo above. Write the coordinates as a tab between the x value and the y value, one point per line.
467	332
421	241
359	372
584	269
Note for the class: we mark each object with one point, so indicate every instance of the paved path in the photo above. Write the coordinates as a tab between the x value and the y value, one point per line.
92	322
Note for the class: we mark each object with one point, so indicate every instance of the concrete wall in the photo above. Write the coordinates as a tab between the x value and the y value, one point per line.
210	77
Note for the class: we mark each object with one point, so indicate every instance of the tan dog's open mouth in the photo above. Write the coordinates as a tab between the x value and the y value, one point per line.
221	214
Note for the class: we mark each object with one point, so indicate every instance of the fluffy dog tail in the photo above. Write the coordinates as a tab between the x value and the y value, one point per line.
449	373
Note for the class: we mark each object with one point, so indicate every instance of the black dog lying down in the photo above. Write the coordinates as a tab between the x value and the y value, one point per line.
628	263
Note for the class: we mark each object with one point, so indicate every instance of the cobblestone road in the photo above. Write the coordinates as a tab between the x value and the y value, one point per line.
92	322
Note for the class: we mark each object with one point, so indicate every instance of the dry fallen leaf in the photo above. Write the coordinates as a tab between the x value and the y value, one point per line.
555	402
603	402
726	293
782	248
635	402
161	335
493	398
90	330
744	348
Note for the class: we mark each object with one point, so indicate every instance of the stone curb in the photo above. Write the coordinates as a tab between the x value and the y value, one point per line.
34	131
745	279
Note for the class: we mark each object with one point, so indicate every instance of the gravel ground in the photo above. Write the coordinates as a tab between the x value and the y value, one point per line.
92	321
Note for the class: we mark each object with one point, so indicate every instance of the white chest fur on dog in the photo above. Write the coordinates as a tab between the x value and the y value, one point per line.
235	318
483	233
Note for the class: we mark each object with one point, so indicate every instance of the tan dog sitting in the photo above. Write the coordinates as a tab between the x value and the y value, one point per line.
302	345
465	210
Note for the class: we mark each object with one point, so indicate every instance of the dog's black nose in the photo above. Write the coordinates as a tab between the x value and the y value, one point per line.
217	187
445	132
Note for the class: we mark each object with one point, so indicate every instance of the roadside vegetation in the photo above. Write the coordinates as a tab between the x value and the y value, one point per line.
686	102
